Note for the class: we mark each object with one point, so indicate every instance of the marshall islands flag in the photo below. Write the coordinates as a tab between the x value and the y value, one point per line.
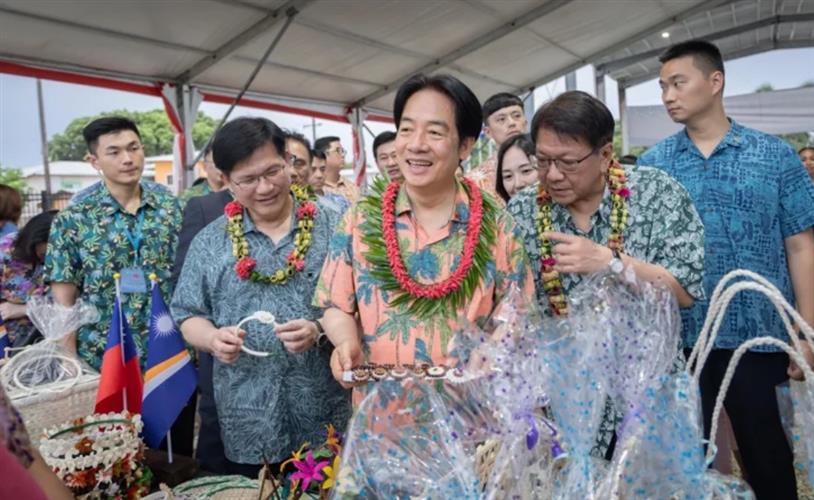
170	377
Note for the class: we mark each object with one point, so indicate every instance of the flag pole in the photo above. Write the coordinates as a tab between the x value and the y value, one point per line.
153	282
116	279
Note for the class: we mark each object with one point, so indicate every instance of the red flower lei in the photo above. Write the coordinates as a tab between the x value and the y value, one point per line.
452	283
295	262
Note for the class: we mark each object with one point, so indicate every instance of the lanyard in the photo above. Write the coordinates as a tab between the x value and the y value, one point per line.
133	238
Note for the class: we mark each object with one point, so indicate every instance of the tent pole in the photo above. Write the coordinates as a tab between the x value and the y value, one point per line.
623	118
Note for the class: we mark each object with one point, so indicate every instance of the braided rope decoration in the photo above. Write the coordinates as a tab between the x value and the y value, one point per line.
733	364
720	301
264	317
721	297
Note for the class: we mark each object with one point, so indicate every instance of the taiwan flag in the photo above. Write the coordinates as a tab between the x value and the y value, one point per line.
120	383
4	340
170	378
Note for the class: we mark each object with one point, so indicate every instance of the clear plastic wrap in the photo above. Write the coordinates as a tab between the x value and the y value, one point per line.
46	366
659	450
401	444
796	404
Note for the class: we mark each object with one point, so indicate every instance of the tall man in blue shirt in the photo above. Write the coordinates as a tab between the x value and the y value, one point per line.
757	205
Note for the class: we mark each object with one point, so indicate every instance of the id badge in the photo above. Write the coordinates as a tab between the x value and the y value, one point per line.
133	280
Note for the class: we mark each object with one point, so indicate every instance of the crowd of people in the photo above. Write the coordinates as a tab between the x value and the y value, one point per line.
387	277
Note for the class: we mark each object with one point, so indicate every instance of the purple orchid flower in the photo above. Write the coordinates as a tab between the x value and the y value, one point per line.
308	470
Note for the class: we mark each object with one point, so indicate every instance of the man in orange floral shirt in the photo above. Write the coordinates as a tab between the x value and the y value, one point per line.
413	263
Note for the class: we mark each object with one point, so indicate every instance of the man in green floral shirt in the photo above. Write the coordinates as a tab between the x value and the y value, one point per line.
596	213
123	226
212	183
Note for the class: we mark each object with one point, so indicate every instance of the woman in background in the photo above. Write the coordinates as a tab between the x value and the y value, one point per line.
22	256
807	157
11	206
516	166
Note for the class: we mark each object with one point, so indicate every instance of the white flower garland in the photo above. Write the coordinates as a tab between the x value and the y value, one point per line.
114	436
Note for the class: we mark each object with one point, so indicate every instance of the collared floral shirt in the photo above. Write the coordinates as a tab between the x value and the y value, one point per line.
88	244
752	193
18	282
201	189
343	188
485	176
391	334
663	228
13	435
267	407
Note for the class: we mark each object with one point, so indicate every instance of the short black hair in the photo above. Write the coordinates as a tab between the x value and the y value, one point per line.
298	137
324	143
522	141
467	107
805	148
383	138
628	159
240	138
106	125
318	154
34	232
498	102
705	55
577	115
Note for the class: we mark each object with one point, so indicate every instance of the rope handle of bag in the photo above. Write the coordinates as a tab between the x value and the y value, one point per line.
730	373
721	297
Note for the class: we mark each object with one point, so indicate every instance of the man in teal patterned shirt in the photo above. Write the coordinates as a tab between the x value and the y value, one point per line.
663	236
121	226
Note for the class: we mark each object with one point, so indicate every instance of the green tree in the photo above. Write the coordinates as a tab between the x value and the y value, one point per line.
154	127
765	87
13	177
797	140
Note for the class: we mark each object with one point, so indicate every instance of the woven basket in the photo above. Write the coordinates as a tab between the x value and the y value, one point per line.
485	456
44	410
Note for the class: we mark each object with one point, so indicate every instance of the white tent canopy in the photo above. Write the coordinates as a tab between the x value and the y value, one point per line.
343	53
775	112
337	55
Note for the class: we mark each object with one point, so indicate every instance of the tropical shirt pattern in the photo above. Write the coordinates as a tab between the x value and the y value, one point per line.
752	193
663	228
485	176
269	406
200	189
391	334
88	244
343	188
96	186
13	435
18	282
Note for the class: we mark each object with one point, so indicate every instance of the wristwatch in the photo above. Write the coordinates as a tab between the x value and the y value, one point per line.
321	336
616	265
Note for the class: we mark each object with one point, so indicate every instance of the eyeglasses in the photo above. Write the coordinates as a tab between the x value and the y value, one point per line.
297	162
566	166
252	182
339	150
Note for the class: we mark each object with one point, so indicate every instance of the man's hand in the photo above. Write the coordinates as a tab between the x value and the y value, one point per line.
10	310
794	371
225	344
297	335
575	254
346	356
